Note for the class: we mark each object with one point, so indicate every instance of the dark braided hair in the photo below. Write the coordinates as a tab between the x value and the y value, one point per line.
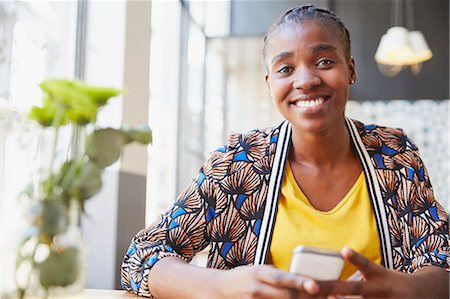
300	14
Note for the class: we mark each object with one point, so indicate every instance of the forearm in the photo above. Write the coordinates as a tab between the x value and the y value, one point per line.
172	277
430	282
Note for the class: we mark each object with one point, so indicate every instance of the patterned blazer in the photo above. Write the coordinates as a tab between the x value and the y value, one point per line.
232	204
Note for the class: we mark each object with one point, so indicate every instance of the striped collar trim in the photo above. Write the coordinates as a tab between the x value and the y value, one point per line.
276	177
375	195
270	210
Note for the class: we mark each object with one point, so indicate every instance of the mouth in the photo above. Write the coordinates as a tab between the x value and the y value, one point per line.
309	102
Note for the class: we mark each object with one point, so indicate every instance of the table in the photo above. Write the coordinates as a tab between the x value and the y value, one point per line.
104	294
97	294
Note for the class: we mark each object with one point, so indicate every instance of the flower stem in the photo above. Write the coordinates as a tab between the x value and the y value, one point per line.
76	156
59	115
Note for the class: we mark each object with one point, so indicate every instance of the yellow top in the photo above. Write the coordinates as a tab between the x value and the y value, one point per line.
351	222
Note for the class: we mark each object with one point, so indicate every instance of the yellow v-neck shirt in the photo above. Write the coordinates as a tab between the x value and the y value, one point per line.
351	222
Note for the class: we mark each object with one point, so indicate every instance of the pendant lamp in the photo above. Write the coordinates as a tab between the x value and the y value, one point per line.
400	48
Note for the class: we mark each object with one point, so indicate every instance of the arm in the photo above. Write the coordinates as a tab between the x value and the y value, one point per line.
425	234
174	278
422	239
177	233
156	262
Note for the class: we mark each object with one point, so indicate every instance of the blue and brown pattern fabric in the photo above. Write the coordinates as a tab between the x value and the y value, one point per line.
230	205
418	223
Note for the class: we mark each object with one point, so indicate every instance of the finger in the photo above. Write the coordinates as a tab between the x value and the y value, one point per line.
366	266
263	290
278	278
351	288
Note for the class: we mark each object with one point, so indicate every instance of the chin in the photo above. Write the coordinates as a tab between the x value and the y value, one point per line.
314	126
309	126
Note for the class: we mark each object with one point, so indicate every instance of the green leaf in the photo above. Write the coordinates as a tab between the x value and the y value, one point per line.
46	114
81	101
58	90
141	134
53	219
66	90
89	183
99	95
82	113
104	146
61	268
81	109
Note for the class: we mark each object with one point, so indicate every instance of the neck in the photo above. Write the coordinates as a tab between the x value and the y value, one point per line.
321	149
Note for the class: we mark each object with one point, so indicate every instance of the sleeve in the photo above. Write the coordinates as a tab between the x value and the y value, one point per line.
180	232
426	221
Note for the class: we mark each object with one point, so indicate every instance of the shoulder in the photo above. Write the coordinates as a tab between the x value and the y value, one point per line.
383	139
251	142
376	129
242	149
255	137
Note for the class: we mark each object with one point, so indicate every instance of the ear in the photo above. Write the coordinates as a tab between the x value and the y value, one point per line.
268	84
352	70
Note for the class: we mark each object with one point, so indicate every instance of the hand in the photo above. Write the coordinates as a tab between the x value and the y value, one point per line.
379	282
263	281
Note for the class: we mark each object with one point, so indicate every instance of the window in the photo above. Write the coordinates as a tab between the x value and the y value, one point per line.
37	42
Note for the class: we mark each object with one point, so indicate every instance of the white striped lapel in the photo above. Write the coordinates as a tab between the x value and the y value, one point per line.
270	210
374	194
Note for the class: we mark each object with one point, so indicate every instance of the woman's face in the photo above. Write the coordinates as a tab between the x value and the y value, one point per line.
308	75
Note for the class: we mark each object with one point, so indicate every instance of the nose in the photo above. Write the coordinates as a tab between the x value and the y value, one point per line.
305	79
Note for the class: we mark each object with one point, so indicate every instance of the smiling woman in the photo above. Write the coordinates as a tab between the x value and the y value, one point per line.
320	178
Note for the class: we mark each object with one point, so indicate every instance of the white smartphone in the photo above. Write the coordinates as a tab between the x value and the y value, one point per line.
317	263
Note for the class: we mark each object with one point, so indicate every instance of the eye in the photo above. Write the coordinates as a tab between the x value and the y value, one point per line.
285	70
325	62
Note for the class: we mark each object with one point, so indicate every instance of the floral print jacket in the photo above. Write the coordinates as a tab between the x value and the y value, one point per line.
231	205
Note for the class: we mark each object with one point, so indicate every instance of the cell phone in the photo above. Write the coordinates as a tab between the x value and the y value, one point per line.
316	263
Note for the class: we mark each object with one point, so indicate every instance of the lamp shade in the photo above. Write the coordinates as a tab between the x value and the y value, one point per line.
420	47
400	47
394	47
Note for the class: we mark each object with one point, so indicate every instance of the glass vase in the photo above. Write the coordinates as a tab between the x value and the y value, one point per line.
50	260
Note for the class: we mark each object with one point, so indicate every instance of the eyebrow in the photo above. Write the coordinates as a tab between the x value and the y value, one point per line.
315	49
282	55
323	47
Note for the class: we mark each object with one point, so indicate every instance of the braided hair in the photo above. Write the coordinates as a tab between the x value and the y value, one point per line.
300	14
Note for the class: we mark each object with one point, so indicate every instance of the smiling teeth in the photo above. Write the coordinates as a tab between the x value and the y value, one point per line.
311	103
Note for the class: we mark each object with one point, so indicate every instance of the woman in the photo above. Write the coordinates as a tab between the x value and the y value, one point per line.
318	179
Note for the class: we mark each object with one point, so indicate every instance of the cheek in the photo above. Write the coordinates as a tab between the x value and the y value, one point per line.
339	82
278	90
